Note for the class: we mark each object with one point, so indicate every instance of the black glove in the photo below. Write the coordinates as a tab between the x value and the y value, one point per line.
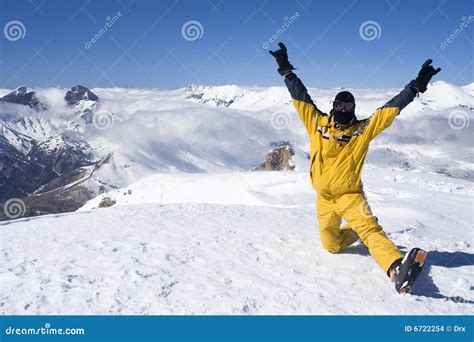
281	56
427	71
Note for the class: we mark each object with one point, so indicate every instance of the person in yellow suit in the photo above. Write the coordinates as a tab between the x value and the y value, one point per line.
338	146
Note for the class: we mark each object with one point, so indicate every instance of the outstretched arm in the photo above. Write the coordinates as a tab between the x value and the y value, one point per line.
305	107
384	116
303	103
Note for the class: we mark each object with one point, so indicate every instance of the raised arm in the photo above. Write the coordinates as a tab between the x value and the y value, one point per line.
305	107
384	116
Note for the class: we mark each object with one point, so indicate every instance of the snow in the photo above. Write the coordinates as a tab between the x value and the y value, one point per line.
444	95
171	131
237	243
194	232
238	188
16	139
231	128
469	88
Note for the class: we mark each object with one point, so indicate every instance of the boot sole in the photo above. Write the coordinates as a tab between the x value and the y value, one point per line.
420	258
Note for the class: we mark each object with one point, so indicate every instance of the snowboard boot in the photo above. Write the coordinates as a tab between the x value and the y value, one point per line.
404	272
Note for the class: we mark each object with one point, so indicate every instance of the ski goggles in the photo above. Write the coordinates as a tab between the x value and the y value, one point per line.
341	105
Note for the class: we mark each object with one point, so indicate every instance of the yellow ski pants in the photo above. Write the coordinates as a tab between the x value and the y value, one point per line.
353	207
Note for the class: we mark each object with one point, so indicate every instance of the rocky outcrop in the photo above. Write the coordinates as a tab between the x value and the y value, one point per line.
84	100
107	202
51	202
22	96
278	159
79	93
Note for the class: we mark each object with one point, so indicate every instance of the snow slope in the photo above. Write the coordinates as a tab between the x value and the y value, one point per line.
237	243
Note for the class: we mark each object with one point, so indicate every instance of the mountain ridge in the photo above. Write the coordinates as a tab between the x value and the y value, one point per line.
212	129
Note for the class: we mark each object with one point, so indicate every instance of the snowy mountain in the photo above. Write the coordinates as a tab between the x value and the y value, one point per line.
133	133
23	97
40	148
426	136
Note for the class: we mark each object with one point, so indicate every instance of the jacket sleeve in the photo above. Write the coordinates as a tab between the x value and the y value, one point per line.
305	107
384	116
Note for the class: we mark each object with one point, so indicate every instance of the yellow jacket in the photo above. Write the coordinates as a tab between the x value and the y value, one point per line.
337	155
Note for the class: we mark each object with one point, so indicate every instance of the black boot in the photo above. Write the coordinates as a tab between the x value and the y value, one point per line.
408	269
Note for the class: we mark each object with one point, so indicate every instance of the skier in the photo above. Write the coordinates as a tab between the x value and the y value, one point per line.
339	144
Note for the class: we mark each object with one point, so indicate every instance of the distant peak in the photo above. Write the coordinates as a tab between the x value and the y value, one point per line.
442	83
21	90
79	93
21	96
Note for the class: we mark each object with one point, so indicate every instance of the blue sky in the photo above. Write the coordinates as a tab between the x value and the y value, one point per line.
145	46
